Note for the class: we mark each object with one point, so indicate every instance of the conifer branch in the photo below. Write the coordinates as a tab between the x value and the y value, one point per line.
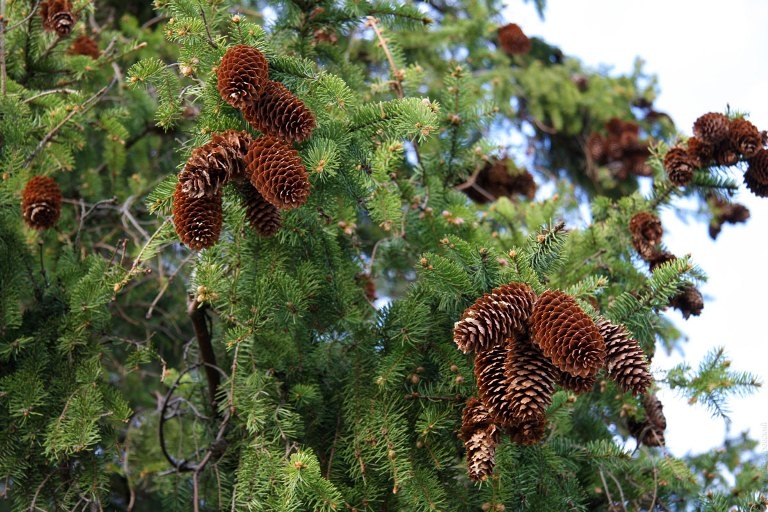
2	47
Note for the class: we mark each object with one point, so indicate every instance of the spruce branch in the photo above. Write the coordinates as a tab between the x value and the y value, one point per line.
2	47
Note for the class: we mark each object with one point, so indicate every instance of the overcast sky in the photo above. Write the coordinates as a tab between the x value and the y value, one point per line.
707	55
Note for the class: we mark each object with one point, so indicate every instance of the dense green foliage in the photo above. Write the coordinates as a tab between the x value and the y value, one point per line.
318	394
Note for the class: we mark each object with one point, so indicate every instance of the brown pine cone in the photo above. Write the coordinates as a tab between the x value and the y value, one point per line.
480	445
725	154
197	220
494	317
41	202
529	432
495	180
711	127
530	379
756	177
276	170
624	359
84	45
575	384
659	258
492	383
513	40
236	143
679	166
745	137
646	230
263	216
700	150
725	212
58	16
566	334
280	113
651	431
688	300
242	74
596	147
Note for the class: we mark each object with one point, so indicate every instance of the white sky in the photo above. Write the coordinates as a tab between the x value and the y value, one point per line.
706	54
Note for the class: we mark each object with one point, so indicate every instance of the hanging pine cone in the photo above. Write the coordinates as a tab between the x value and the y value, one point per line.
242	74
263	216
566	334
700	151
711	127
595	147
528	432
624	359
679	166
58	16
530	379
659	258
725	212
646	230
480	438
576	384
651	431
276	170
756	177
84	45
513	40
725	154
494	317
496	180
236	143
745	137
197	219
207	170
41	202
492	383
688	300
280	113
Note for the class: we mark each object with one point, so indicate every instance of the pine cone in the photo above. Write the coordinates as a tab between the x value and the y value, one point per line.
725	154
280	113
688	300
197	219
207	170
480	436
492	383
680	166
263	216
566	334
494	317
624	359
236	143
659	258
276	170
651	431
242	74
495	180
530	379
700	150
84	45
529	432
725	212
513	40
745	137
41	202
575	384
58	16
711	127
596	147
646	231
756	177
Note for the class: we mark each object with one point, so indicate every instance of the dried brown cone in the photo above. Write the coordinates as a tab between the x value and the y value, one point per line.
659	258
41	202
529	432
646	230
651	431
242	74
276	170
497	180
263	216
575	384
492	383
280	113
756	177
197	220
84	45
725	154
712	127
494	317
566	334
688	300
513	40
680	165
480	436
530	379
625	361
745	137
700	150
58	16
725	212
595	147
236	143
207	170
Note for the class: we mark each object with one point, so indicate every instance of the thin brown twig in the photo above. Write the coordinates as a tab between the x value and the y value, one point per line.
397	74
197	313
166	285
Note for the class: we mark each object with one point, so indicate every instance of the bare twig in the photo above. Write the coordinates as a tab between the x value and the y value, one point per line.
196	312
397	74
208	30
605	486
166	285
46	93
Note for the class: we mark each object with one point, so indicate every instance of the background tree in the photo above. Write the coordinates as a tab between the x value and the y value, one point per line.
373	308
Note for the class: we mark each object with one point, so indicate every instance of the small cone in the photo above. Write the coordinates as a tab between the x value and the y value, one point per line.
58	16
651	431
659	259
680	166
725	153
530	379
280	113
513	40
207	171
624	359
566	334
689	301
197	220
85	45
263	217
700	150
241	75
756	177
277	172
41	202
494	317
596	147
492	383
745	137
711	127
480	437
725	212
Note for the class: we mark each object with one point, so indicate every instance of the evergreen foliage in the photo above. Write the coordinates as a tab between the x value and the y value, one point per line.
315	369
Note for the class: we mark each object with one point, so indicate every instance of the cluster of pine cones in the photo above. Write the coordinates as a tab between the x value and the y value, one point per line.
719	140
58	17
495	180
513	40
524	345
41	202
621	151
266	171
646	230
